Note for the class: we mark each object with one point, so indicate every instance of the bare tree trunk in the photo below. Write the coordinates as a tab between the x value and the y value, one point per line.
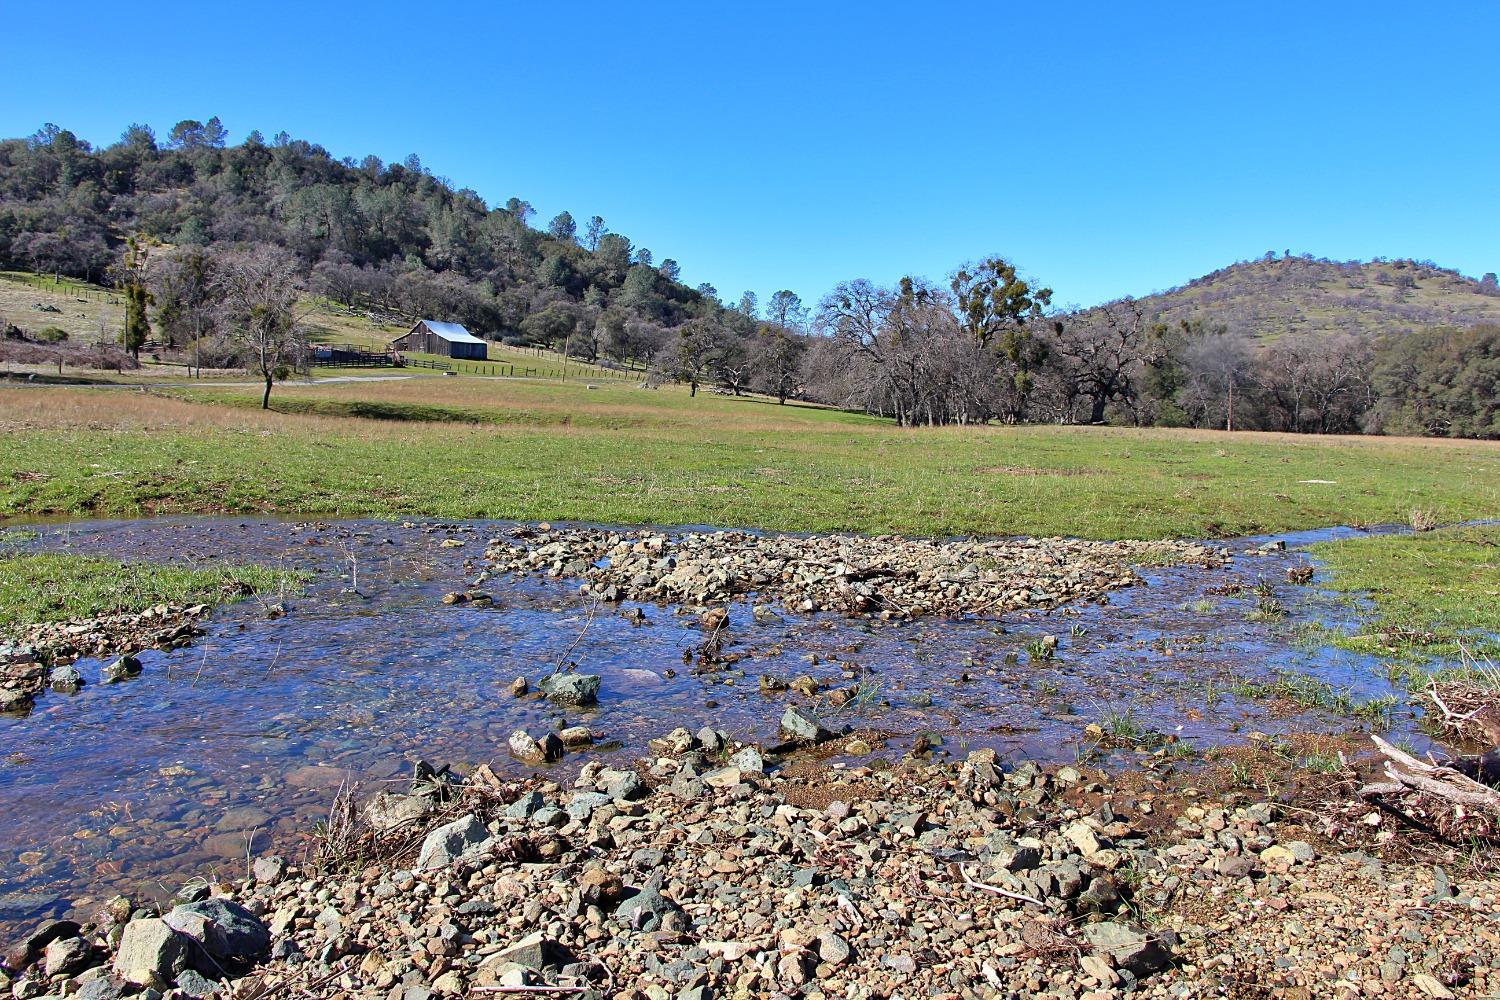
265	400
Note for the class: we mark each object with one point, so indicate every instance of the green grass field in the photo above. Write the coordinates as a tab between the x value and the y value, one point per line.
1431	591
43	587
467	447
618	453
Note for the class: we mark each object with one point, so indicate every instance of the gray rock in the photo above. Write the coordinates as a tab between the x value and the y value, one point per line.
99	989
268	870
749	759
195	984
66	679
67	957
1442	886
448	843
388	811
229	933
150	953
833	949
710	739
583	804
646	910
576	736
122	669
544	751
550	816
1234	866
531	951
625	788
30	948
797	724
571	689
1100	897
525	806
1128	946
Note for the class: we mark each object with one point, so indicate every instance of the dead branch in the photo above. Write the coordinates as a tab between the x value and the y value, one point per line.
1433	779
968	880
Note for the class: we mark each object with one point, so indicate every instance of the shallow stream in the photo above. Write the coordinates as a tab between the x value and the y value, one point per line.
235	745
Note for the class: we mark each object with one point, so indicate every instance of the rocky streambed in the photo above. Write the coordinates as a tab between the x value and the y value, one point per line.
888	576
228	740
701	872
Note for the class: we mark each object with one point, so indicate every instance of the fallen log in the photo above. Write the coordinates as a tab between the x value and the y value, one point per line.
1438	780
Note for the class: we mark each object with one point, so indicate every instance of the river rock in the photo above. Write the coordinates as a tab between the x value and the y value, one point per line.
531	951
16	700
150	954
583	804
833	949
797	724
646	910
448	843
571	689
65	679
575	736
230	934
67	957
624	786
268	870
749	760
532	751
30	948
1128	946
1082	836
122	669
101	988
192	983
525	806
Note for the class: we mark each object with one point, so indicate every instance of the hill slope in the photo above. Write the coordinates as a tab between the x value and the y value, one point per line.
388	238
1270	298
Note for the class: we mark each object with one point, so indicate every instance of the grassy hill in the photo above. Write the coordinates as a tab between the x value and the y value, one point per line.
1271	298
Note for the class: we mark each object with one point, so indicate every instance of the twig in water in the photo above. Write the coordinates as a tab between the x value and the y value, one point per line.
353	566
201	664
272	667
587	621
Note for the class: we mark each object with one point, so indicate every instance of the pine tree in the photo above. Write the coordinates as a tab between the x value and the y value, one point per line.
137	297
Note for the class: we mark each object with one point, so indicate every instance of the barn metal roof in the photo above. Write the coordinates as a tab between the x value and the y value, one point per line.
454	333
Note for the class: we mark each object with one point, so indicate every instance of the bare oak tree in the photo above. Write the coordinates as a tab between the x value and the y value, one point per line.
261	288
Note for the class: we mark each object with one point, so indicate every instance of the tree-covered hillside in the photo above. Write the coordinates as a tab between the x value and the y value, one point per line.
1279	295
389	237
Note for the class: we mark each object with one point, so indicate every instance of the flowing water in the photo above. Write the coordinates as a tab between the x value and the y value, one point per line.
235	745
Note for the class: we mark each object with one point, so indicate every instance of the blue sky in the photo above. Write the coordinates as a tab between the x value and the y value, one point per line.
1107	148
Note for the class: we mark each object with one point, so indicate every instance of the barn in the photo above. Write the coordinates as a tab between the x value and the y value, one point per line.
450	340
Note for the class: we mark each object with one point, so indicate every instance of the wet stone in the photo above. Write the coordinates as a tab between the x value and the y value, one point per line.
571	689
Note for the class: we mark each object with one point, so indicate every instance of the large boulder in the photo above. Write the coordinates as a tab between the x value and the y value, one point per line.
151	954
571	689
448	843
